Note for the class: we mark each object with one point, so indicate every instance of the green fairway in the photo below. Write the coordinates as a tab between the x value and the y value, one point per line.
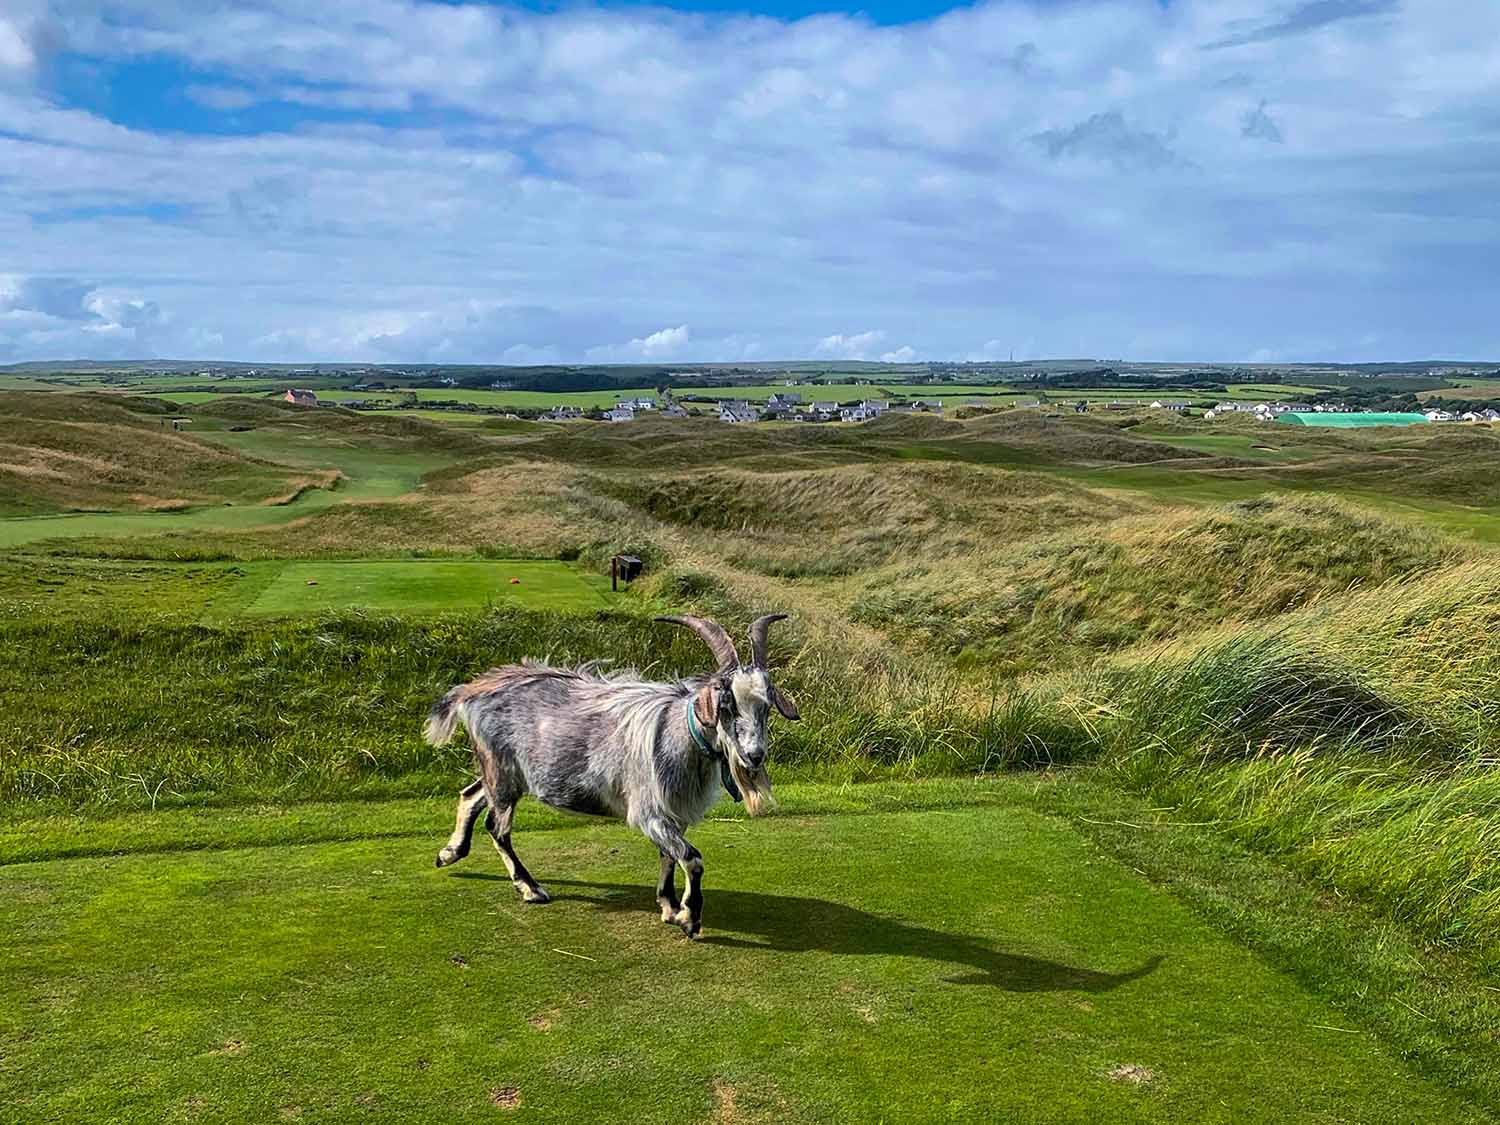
990	957
28	529
425	586
1250	447
367	474
219	592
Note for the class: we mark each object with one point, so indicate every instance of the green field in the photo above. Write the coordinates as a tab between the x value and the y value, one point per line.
1026	976
1466	388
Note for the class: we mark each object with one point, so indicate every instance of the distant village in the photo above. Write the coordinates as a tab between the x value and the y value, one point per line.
789	407
779	407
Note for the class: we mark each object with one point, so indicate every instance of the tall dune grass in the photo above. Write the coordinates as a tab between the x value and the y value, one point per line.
1359	741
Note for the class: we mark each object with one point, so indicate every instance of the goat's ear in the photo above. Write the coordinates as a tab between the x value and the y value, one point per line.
706	705
783	704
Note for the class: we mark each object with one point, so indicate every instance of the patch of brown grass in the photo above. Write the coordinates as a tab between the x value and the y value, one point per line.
505	1097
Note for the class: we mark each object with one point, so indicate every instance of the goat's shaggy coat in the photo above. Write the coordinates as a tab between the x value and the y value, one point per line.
615	745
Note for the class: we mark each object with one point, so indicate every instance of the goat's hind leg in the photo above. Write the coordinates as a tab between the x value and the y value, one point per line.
498	822
471	803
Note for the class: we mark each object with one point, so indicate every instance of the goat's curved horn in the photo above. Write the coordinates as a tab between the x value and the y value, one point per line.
758	629
713	636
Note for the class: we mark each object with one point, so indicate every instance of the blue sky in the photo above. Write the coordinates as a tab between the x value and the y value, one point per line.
398	180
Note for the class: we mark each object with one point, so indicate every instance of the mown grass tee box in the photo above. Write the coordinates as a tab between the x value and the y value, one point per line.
1032	979
426	585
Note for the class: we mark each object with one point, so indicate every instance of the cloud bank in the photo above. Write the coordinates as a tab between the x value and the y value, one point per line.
398	180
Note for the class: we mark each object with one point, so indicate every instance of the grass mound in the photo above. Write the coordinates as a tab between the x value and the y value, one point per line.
839	520
1145	578
664	445
63	451
388	430
1082	439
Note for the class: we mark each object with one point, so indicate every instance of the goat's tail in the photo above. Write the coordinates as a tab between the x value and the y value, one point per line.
443	717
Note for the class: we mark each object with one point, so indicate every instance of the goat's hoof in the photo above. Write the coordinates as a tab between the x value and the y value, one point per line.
668	914
445	857
536	895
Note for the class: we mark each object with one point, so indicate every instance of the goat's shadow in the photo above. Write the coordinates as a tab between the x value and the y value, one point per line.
790	924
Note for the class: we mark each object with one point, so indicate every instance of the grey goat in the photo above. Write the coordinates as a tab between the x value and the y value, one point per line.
654	754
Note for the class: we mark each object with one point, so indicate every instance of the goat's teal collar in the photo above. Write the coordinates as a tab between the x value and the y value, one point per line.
701	741
694	729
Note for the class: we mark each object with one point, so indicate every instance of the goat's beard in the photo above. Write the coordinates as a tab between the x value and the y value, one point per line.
754	786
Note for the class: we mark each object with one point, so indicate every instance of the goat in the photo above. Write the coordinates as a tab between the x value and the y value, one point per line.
653	754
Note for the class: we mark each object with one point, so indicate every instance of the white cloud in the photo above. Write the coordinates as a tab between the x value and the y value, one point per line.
661	345
904	354
857	346
17	56
667	343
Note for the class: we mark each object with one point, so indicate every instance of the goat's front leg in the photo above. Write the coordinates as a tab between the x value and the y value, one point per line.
666	889
674	848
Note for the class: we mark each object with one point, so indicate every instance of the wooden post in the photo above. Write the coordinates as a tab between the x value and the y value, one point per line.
614	574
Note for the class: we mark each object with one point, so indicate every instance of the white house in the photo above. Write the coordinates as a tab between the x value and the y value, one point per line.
1439	415
737	411
620	413
1273	409
1174	407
